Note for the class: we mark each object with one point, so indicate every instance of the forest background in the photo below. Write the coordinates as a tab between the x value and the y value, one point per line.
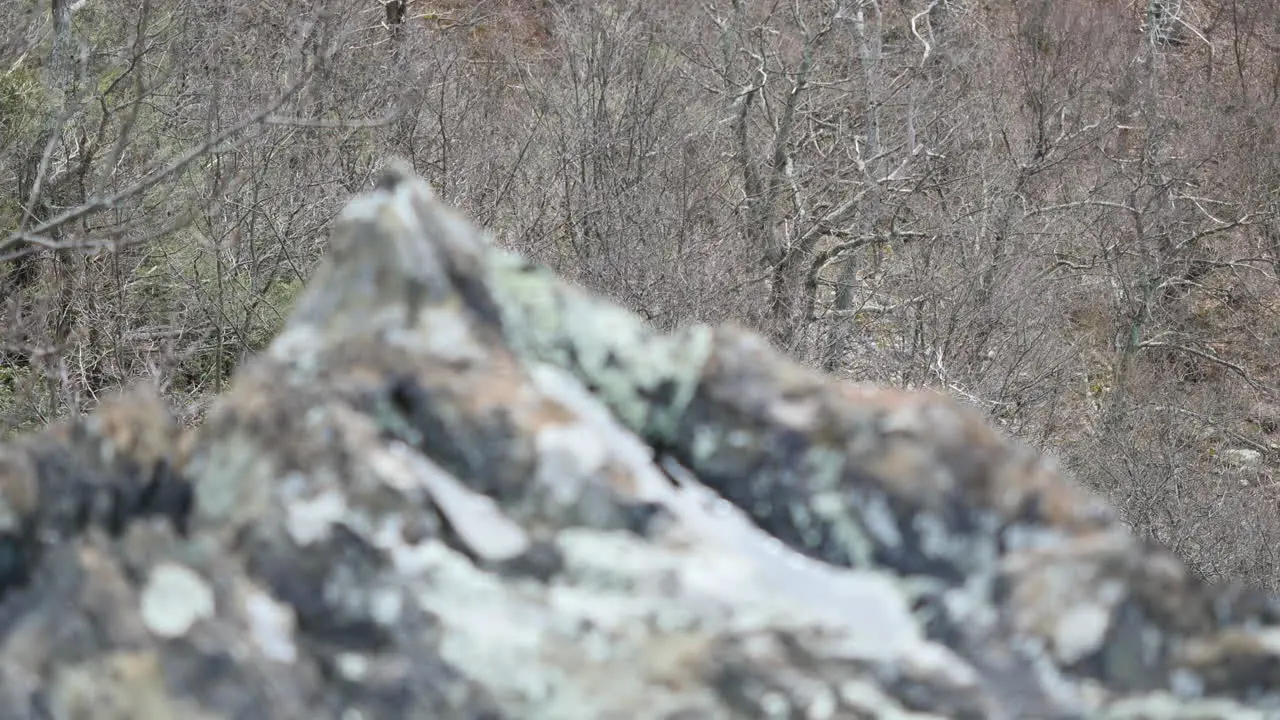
1061	212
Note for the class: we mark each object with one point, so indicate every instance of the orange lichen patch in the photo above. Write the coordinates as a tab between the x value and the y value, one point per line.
550	412
621	479
500	385
106	589
120	685
904	470
136	424
681	660
1227	647
1060	503
18	484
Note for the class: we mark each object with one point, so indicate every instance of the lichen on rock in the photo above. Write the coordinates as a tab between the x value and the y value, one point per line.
455	486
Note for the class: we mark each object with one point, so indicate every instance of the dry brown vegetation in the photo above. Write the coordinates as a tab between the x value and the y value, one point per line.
1063	213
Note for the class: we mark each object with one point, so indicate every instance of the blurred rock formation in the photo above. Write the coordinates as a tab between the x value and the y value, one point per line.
456	487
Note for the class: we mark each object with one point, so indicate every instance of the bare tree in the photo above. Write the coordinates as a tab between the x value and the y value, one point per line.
1064	213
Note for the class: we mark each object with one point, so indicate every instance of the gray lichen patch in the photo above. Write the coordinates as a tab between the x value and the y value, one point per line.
174	599
646	378
232	481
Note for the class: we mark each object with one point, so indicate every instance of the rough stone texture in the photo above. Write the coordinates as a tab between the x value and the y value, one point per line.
455	487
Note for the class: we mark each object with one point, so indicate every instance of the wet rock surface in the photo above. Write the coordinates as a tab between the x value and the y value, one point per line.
457	487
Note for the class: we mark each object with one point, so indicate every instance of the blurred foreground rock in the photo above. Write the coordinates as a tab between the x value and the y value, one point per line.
455	487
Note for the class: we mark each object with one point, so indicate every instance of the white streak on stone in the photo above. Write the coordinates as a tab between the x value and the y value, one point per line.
734	553
475	517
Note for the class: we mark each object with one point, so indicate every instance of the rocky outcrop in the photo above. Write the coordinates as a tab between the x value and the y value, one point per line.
456	487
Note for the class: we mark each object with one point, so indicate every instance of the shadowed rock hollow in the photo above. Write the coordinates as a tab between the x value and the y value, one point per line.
456	487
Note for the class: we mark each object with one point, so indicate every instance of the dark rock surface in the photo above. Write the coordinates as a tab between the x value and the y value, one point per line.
456	487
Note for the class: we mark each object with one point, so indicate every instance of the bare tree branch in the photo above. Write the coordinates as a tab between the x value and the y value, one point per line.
1238	370
94	205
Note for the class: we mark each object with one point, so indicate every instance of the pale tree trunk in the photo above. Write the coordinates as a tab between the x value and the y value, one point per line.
768	181
867	22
